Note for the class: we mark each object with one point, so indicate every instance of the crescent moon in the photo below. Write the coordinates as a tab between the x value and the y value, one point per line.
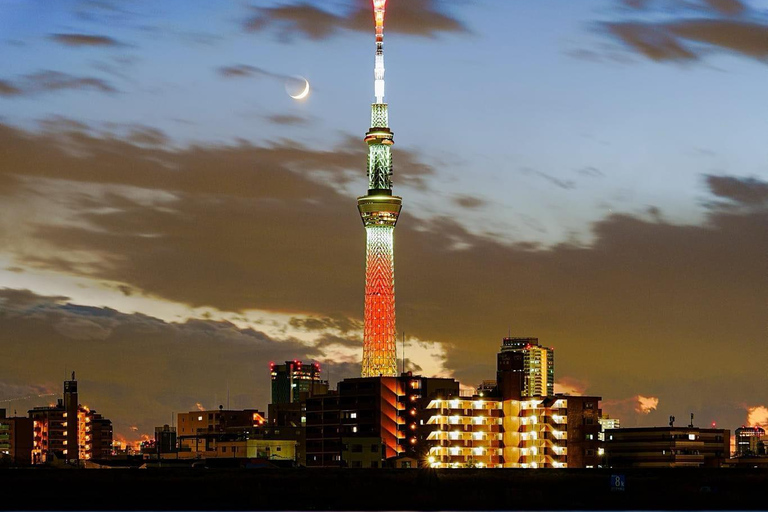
303	94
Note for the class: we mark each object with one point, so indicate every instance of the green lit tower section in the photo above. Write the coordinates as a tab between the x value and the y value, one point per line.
379	210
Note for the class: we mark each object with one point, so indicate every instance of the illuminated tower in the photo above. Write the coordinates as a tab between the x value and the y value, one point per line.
379	210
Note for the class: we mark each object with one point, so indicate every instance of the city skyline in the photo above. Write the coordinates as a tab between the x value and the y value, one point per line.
592	175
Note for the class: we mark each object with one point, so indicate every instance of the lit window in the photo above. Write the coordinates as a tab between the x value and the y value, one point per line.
353	415
692	437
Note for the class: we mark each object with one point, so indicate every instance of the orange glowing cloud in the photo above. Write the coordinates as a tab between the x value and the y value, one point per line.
570	386
646	404
757	416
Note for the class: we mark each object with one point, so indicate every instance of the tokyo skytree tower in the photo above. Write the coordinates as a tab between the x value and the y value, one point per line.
379	210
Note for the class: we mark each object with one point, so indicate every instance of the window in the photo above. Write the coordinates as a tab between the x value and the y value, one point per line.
374	464
590	437
353	415
279	448
199	418
354	429
374	448
223	449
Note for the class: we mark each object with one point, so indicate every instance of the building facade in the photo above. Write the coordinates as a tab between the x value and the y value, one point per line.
750	441
390	409
465	433
525	369
292	380
540	432
200	431
69	430
660	447
16	437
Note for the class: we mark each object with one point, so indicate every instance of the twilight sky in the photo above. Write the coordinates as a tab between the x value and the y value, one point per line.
592	172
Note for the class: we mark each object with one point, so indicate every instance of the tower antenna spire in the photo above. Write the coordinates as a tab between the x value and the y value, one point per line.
379	11
379	210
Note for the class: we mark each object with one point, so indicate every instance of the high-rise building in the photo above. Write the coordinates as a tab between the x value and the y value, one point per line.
525	369
16	439
293	378
379	210
69	430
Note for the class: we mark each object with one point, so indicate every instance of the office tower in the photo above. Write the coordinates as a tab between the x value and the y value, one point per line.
293	378
525	369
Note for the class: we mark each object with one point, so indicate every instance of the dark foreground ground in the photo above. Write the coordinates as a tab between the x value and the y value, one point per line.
340	490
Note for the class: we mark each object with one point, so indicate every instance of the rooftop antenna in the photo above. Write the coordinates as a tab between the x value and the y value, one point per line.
228	394
691	425
671	421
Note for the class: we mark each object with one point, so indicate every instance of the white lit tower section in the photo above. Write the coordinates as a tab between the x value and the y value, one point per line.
379	210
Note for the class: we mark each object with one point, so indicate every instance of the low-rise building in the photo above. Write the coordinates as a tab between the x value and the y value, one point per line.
658	447
199	431
537	432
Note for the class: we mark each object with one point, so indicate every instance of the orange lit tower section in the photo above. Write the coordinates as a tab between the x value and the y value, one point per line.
379	210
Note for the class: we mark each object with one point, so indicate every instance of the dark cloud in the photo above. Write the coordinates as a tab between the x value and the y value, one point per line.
469	202
746	191
51	81
727	7
132	368
84	40
686	35
329	340
724	7
16	300
8	89
244	227
342	324
287	120
653	41
245	70
415	17
592	172
563	184
147	136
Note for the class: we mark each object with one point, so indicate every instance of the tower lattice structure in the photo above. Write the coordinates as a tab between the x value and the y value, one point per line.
379	210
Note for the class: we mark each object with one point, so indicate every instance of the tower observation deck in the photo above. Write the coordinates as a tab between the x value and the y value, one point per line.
379	210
